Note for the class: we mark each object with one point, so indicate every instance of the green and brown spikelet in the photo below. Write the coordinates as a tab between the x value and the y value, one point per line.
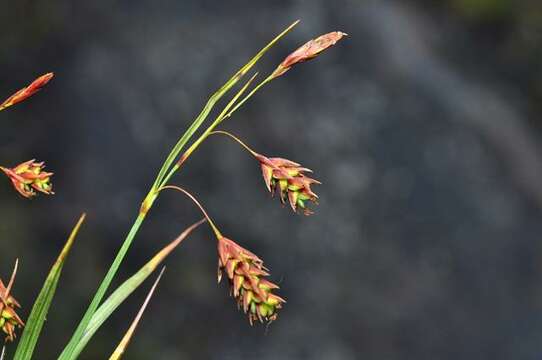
290	180
284	176
28	177
246	274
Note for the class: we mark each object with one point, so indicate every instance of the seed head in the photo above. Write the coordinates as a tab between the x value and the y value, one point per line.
246	274
27	91
308	51
29	177
289	179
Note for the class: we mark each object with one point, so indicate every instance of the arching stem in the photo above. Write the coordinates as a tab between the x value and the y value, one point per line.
211	223
239	141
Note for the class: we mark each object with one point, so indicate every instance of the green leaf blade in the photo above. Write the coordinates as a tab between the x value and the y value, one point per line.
41	306
125	290
123	344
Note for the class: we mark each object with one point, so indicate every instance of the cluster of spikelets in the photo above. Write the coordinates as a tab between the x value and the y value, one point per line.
28	178
288	178
246	273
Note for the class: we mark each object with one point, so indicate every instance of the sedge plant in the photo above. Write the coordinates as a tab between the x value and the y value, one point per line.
246	273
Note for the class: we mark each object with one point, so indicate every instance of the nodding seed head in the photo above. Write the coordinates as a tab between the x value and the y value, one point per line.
288	178
246	273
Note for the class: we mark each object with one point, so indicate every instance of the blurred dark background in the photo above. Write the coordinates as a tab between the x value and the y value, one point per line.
424	126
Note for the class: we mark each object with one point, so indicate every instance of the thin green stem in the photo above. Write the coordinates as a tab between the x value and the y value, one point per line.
206	133
236	139
198	204
217	120
210	104
226	113
67	353
248	96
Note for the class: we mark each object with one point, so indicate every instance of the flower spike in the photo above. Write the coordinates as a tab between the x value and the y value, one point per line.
246	272
288	178
29	177
308	51
284	176
27	91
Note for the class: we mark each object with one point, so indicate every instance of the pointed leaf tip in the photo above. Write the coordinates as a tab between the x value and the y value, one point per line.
121	347
41	306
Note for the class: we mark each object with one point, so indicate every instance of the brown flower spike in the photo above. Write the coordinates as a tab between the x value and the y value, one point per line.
246	274
288	178
26	92
9	320
283	176
29	177
308	51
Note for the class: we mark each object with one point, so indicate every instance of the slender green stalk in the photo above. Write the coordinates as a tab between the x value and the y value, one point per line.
212	101
67	353
198	204
128	287
236	139
226	113
249	95
203	136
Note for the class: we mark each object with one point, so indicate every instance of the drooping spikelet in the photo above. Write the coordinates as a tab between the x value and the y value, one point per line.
289	179
29	177
246	274
308	51
27	91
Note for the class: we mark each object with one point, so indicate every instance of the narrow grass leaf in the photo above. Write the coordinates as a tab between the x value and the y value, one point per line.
121	347
126	289
37	317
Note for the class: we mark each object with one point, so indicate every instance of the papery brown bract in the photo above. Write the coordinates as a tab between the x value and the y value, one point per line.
289	179
246	272
27	91
29	177
308	51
